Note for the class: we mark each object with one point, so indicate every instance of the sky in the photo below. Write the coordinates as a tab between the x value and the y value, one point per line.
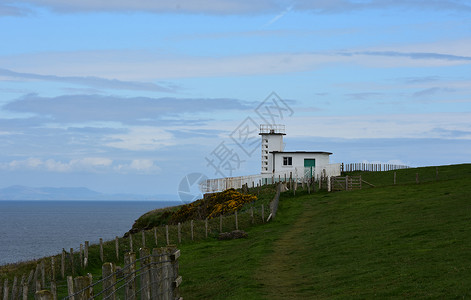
134	96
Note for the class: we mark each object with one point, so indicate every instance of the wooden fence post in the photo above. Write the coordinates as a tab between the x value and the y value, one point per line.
53	268
130	243
144	257
43	273
116	244
63	263
85	254
6	290
14	288
72	261
206	227
54	290
25	291
109	280
143	234
37	282
155	235
155	274
130	282
70	287
166	234
81	287
43	295
81	256
102	258
394	178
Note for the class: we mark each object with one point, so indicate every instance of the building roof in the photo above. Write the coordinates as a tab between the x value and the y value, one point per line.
305	152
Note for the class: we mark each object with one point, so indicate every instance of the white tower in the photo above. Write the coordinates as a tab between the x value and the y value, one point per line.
272	140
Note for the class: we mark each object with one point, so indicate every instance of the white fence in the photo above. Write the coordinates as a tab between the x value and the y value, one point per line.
296	174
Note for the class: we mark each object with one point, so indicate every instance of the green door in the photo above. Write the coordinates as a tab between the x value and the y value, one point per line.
309	165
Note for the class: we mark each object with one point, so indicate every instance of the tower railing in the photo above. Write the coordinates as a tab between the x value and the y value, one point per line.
272	128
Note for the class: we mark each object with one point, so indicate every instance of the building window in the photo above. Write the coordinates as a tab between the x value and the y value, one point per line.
287	161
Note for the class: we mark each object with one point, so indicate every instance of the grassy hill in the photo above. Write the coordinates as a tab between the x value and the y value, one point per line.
403	240
393	241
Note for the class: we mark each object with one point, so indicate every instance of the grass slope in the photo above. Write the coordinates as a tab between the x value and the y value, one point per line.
404	241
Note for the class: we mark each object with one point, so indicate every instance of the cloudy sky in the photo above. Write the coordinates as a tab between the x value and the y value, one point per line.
130	96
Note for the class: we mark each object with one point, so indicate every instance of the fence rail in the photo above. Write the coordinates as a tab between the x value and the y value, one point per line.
351	167
345	183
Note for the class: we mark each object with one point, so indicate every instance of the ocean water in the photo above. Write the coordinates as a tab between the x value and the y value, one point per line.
34	229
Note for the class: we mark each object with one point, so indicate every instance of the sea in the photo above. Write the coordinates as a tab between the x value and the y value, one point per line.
34	229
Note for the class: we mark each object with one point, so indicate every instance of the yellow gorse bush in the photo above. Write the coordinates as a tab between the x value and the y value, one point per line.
216	204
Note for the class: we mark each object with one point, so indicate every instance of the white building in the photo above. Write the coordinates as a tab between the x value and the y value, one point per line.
277	164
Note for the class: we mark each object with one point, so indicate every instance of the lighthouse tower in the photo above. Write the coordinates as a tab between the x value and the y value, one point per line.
272	141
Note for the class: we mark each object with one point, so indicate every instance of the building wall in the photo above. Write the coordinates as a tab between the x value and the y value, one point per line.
270	142
322	160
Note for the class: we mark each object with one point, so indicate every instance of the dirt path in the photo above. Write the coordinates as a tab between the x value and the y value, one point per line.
281	275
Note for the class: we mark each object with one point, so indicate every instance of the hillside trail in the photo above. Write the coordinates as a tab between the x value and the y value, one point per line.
281	275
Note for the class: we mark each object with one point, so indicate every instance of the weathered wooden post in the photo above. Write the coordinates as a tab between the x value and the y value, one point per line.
81	256
143	234
116	245
130	283
109	280
206	227
72	261
25	291
63	263
394	178
166	234
130	243
14	289
155	235
85	254
155	274
251	214
70	287
346	182
54	290
43	295
6	289
144	256
37	282
102	258
81	287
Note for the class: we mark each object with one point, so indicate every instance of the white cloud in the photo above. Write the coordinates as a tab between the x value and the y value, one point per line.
159	6
140	65
141	138
140	166
92	164
432	125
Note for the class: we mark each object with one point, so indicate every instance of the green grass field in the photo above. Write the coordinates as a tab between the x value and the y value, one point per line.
404	241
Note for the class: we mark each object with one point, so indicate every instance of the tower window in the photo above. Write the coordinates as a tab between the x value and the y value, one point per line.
287	161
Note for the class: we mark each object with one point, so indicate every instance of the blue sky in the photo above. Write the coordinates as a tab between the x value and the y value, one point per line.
131	96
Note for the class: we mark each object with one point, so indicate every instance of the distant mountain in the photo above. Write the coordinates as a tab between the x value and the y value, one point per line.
18	192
